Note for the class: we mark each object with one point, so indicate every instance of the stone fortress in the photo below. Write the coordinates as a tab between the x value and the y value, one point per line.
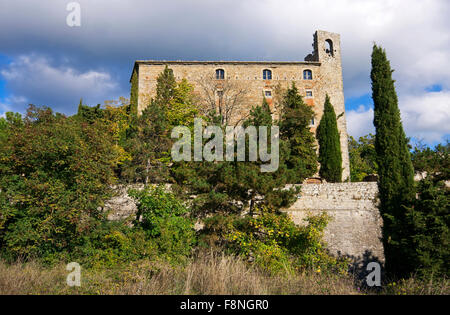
355	230
320	74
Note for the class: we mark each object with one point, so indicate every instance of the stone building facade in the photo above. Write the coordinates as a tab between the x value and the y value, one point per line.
315	77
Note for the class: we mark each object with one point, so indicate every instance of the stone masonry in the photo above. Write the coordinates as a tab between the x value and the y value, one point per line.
355	228
324	64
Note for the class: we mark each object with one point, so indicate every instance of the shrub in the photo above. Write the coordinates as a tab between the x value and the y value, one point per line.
113	244
275	243
164	218
55	173
429	237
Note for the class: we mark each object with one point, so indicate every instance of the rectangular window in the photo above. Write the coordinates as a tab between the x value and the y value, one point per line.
268	93
312	121
309	94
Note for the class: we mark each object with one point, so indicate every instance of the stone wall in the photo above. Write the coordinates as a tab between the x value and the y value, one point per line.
354	231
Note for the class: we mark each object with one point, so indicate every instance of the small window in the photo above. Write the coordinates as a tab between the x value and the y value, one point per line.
312	121
220	94
307	75
268	93
220	74
267	74
309	94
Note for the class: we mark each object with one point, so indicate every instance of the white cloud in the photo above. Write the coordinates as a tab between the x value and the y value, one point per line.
32	78
415	33
360	122
426	116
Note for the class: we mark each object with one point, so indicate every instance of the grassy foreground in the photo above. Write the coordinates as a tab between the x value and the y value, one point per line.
206	274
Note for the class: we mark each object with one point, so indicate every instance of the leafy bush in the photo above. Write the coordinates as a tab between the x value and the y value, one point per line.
429	237
274	242
362	157
55	173
164	218
113	244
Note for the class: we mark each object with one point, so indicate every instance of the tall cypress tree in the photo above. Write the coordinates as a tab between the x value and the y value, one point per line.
295	119
395	170
330	156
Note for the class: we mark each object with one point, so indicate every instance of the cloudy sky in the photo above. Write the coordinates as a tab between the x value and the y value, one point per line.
45	62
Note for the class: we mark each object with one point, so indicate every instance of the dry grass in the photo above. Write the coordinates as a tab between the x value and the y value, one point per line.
207	274
412	286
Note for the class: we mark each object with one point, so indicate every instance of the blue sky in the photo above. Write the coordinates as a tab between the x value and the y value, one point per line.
45	62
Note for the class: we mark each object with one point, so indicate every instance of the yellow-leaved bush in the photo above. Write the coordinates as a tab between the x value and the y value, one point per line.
275	243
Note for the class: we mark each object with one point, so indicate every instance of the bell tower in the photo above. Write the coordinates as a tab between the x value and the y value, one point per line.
327	51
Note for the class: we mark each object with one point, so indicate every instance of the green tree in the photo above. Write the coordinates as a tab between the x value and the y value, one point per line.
301	159
163	218
430	221
234	186
55	173
330	155
433	162
362	157
252	182
182	108
149	143
89	114
395	170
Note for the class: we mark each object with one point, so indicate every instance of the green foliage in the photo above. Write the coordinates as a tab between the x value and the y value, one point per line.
89	114
395	170
251	182
134	97
232	186
362	157
301	158
430	222
54	174
150	141
273	242
182	108
112	244
330	155
434	162
164	219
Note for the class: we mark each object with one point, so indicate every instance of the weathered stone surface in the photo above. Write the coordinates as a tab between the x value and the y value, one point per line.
121	206
354	231
326	70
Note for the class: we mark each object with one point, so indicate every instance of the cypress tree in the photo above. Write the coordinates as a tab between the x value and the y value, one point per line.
296	116
330	156
395	170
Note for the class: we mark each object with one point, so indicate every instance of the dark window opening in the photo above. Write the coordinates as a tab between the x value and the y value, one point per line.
220	74
307	75
329	47
267	74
